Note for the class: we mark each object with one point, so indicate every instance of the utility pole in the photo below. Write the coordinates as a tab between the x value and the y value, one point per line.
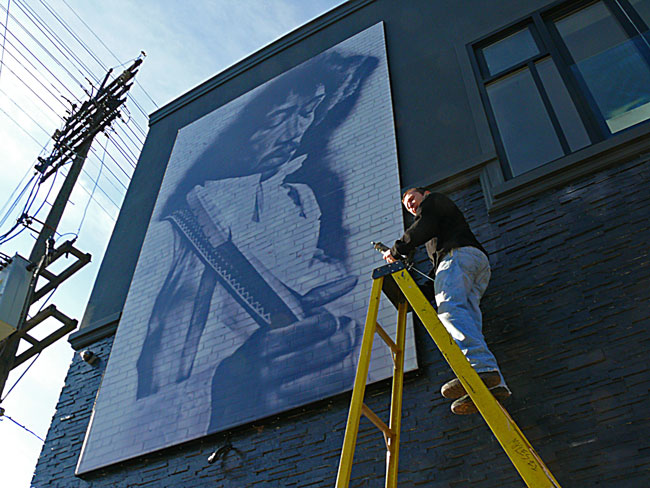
71	143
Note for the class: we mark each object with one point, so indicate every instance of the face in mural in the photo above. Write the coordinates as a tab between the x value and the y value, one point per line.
285	125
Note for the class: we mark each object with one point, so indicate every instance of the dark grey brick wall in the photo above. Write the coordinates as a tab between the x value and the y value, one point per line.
566	315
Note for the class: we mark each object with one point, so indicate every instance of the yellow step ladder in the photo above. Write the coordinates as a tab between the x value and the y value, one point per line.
398	285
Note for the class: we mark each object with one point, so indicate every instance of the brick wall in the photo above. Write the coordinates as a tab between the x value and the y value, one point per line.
565	314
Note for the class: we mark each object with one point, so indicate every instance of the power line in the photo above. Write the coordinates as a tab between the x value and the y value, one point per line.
2	57
13	193
15	202
38	210
92	197
108	49
38	60
35	184
74	36
46	132
31	181
27	368
84	171
54	95
18	50
83	217
72	146
76	58
99	62
126	141
54	39
123	186
24	112
32	90
139	137
32	198
20	126
141	132
117	146
25	214
22	427
41	46
94	152
135	102
81	185
123	152
129	144
67	48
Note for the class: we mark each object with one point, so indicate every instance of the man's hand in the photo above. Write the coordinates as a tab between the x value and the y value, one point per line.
282	367
388	257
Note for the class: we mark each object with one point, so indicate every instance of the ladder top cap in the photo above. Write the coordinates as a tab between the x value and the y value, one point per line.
387	269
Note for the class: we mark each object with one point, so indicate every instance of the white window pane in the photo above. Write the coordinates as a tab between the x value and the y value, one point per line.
507	52
564	108
615	72
526	130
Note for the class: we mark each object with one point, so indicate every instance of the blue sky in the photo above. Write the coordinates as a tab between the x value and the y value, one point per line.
186	43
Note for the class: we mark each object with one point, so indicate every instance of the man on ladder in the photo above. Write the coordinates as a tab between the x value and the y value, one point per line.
462	273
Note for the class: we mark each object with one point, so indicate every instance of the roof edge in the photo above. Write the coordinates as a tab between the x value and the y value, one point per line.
257	57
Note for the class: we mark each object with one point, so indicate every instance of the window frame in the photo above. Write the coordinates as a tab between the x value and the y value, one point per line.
541	24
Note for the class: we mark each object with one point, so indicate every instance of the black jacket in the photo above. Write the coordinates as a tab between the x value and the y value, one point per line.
441	225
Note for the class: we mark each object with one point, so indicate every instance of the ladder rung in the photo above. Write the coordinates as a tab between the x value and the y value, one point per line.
386	338
372	416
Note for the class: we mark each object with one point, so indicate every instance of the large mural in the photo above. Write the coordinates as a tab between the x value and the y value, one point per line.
250	293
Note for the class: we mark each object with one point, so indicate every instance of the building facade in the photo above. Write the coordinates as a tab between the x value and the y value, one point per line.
532	116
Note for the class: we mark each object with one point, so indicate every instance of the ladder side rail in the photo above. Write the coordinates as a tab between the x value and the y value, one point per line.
527	462
395	423
356	404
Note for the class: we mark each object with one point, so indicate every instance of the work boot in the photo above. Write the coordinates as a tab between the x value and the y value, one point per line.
454	389
465	406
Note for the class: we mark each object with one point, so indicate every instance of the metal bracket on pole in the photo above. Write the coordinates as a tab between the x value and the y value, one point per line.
37	346
55	280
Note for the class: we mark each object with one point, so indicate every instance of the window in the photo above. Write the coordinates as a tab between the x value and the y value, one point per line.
566	77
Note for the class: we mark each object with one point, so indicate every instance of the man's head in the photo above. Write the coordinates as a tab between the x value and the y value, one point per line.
293	114
412	199
281	131
275	122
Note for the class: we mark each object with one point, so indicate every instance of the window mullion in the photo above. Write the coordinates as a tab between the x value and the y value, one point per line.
633	25
481	64
549	108
579	92
639	25
492	123
621	17
514	68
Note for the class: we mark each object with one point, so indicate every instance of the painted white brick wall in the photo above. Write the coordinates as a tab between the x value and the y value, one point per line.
363	151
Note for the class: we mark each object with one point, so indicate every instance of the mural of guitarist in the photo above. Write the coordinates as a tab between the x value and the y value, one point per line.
259	249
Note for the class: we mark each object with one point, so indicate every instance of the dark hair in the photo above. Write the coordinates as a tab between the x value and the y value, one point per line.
341	77
420	189
226	157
